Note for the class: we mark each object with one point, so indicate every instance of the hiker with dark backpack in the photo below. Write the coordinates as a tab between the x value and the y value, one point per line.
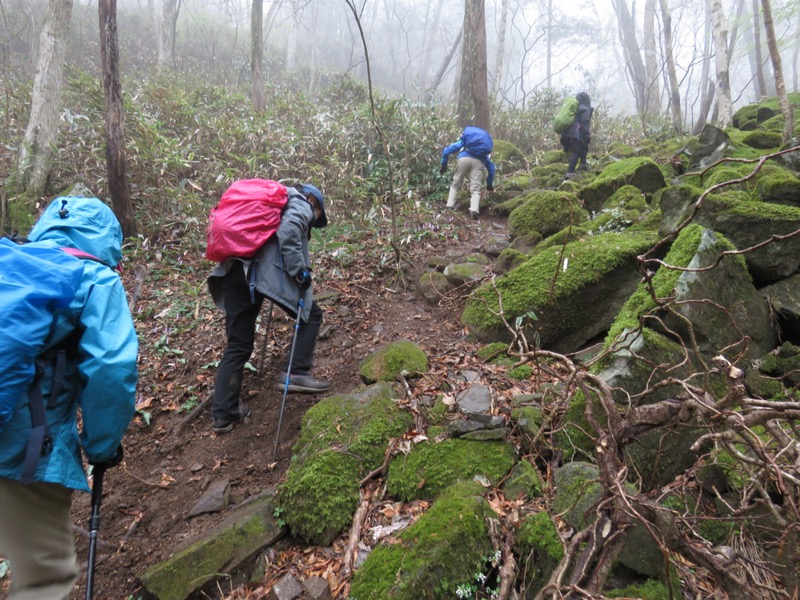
272	262
67	341
474	154
577	138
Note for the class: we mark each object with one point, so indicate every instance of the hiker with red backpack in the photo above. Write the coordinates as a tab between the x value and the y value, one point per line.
67	341
279	270
474	154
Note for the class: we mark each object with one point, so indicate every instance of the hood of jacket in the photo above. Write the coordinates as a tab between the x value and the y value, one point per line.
83	223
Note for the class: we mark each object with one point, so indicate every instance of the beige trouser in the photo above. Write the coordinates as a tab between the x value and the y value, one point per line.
473	167
36	538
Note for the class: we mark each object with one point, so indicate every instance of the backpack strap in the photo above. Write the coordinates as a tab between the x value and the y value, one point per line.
39	441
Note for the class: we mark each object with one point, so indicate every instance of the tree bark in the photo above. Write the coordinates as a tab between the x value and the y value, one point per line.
501	49
674	89
33	164
780	86
166	39
651	62
115	122
473	89
257	54
723	90
635	65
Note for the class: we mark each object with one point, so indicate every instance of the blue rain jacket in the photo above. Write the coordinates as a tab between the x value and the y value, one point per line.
486	160
101	378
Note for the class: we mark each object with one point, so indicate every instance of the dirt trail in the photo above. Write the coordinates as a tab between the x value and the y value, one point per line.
171	461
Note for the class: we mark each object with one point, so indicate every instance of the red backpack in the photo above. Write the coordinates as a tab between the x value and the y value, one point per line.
247	215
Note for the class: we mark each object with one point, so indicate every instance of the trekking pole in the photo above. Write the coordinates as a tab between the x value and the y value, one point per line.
288	375
94	526
263	356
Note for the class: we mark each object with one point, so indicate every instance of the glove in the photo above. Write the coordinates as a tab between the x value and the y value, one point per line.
111	462
443	169
303	279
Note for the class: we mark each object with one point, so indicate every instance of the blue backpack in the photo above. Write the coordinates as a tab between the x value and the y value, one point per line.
477	142
37	285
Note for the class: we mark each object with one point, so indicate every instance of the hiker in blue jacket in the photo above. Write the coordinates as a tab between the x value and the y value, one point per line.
577	138
471	161
99	377
281	272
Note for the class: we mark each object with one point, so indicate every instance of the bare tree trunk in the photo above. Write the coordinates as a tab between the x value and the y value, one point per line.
774	53
549	73
437	79
501	48
675	93
651	63
257	54
429	42
473	90
166	39
115	120
33	164
722	62
706	83
635	65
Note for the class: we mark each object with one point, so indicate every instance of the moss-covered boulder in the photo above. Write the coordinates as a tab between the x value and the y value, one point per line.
747	223
779	189
713	307
545	212
709	147
676	204
507	157
437	554
508	260
219	552
342	439
431	467
523	482
783	364
464	273
433	285
641	172
763	140
386	363
540	551
559	286
752	113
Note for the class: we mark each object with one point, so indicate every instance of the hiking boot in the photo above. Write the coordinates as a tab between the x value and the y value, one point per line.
583	167
303	383
473	214
227	425
569	176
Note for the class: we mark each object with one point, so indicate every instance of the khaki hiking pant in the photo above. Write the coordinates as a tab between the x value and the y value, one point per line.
474	168
36	538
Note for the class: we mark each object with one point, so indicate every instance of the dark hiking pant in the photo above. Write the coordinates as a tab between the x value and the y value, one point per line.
240	327
579	152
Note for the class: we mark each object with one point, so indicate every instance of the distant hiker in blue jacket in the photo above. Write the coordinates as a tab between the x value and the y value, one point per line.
281	272
474	153
99	377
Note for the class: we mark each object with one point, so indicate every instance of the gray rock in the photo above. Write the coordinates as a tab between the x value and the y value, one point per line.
486	435
460	427
784	296
709	147
459	274
215	498
475	400
433	285
317	589
286	588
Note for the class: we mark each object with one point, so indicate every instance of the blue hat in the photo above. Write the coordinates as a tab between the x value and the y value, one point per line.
306	189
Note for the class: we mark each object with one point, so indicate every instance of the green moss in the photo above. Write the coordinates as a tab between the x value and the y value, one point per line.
507	157
430	467
575	438
763	140
754	209
342	438
521	373
435	555
509	259
523	481
538	534
569	234
491	351
664	281
529	286
627	197
546	212
649	590
391	360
